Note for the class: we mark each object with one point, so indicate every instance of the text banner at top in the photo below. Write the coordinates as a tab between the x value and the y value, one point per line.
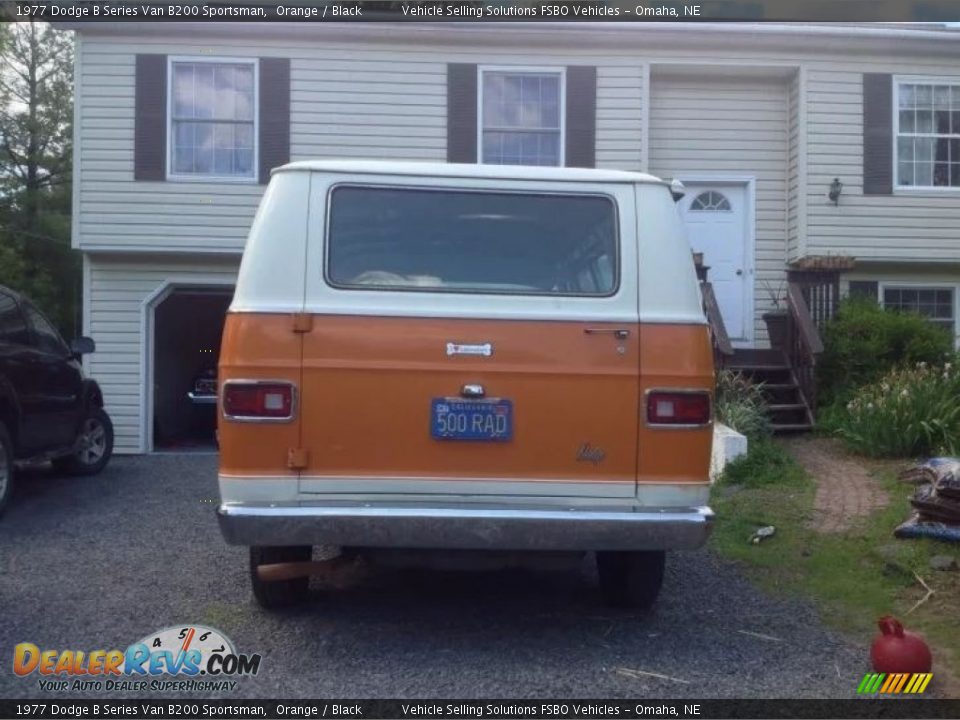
927	11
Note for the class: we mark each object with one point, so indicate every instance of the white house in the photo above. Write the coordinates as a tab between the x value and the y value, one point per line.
177	127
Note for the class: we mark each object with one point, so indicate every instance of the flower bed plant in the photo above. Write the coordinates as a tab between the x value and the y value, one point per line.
909	412
865	341
740	404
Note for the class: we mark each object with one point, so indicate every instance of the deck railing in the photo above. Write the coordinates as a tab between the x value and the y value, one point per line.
803	344
821	293
722	349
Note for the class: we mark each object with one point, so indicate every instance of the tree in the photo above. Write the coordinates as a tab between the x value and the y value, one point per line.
36	130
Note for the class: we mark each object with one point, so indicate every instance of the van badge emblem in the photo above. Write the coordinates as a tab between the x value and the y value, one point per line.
485	349
588	453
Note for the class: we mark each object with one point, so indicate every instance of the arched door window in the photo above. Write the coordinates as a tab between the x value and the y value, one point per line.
711	200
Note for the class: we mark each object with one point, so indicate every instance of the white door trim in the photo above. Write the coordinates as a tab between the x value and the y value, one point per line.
147	340
749	184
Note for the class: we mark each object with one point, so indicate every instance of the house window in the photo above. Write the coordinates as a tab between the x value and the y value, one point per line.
521	114
928	135
213	114
935	303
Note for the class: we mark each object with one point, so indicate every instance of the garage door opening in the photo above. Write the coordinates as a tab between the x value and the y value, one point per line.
187	326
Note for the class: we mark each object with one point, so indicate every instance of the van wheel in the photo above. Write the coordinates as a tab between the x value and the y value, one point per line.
6	468
631	579
279	593
94	445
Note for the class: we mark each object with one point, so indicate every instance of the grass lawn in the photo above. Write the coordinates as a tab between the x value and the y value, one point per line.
853	577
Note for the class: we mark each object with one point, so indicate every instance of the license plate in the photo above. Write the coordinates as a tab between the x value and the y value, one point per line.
485	420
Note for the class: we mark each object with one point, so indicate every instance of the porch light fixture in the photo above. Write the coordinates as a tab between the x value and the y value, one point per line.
835	188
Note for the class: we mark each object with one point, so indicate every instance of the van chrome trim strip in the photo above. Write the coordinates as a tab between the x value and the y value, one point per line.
449	526
681	493
318	490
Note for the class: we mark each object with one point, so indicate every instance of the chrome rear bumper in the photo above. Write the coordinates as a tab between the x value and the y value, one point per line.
466	526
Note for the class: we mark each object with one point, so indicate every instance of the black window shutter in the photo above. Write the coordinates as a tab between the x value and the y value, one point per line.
864	289
877	134
150	118
581	120
461	113
274	115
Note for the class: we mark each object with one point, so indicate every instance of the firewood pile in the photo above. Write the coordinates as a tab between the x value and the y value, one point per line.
936	500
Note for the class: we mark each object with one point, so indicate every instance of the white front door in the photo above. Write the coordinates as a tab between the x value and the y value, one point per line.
716	220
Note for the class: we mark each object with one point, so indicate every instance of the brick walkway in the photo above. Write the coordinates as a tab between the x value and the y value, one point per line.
845	490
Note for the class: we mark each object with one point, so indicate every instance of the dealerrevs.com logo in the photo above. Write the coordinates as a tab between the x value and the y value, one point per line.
176	659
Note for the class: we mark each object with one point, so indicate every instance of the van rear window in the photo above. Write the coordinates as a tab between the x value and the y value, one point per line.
471	241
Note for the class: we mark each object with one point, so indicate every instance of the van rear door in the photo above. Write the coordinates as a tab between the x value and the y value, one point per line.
469	340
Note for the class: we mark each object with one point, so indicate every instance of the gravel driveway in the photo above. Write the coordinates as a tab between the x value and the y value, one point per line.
95	563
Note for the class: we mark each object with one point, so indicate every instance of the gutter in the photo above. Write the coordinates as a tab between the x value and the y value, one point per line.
800	36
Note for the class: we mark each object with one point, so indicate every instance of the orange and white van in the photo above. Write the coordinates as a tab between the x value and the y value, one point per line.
466	357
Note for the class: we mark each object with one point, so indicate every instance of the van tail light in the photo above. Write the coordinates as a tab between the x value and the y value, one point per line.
258	400
690	408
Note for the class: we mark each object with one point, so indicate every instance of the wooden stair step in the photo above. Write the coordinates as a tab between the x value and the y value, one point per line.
754	367
789	427
779	386
774	407
743	356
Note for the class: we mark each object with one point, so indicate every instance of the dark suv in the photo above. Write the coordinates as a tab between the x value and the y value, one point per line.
48	409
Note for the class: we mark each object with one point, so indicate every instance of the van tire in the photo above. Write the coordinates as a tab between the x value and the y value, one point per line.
280	593
6	467
631	579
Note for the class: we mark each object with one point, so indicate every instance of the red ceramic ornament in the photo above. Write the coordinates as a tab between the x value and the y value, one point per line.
896	650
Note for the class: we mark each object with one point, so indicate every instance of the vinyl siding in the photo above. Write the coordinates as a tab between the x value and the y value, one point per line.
907	226
793	168
385	102
620	117
734	127
117	287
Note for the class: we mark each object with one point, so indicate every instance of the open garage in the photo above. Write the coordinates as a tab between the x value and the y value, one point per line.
187	326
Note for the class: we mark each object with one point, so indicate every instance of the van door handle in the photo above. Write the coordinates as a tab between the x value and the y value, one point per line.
616	332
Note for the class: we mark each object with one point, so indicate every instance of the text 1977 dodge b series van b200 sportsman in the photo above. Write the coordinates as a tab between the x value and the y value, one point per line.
429	356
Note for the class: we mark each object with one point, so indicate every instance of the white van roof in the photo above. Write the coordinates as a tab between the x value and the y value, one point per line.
452	170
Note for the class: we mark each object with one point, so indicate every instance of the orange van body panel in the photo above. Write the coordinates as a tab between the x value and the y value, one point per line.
258	346
365	385
674	357
368	383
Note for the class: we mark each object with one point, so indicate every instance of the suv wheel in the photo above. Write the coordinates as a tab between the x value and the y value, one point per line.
279	593
6	467
631	579
94	445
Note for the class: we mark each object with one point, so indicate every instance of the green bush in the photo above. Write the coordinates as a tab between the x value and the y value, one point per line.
909	412
740	404
865	341
766	463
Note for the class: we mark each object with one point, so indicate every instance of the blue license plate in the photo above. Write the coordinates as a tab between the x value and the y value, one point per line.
485	420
